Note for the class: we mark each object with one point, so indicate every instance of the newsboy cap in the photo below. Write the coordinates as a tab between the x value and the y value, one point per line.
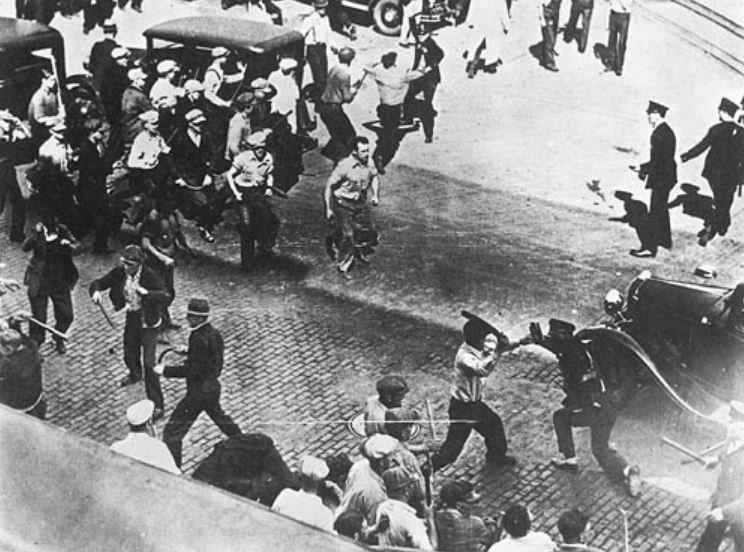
120	52
286	64
220	51
166	66
313	468
257	139
391	383
150	116
193	85
198	306
379	446
195	116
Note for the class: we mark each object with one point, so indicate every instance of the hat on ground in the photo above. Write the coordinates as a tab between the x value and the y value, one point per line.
392	383
320	3
140	412
257	139
313	468
109	27
458	491
654	107
689	188
193	85
287	64
622	195
150	116
737	411
195	116
561	326
120	52
379	446
396	478
198	306
132	255
136	74
166	66
220	51
727	106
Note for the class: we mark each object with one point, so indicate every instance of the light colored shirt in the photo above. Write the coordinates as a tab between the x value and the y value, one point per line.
287	94
621	6
374	416
132	298
146	150
317	30
305	507
471	369
406	530
163	89
365	490
238	131
351	179
393	83
44	105
57	151
252	172
533	541
148	450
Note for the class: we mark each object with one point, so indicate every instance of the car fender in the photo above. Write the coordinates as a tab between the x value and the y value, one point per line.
629	343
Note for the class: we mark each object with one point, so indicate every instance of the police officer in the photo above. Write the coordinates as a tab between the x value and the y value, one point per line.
201	369
251	180
593	400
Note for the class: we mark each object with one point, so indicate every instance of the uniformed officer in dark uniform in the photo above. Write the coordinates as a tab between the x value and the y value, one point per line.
728	499
723	164
202	368
593	399
660	174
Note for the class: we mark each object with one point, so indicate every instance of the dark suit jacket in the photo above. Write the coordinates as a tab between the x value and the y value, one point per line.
100	56
205	357
37	272
193	162
661	169
91	189
724	151
432	55
151	303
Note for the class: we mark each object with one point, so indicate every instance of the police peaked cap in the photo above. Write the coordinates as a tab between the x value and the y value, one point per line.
655	107
561	325
727	106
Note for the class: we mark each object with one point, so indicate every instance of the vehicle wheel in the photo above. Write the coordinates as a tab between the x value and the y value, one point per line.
387	15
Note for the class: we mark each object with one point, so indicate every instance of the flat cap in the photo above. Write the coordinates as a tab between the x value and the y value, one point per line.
260	84
257	139
453	492
286	64
391	383
245	98
396	478
132	254
313	468
379	446
136	73
140	412
320	3
195	116
193	85
198	306
166	66
120	52
59	127
150	116
220	51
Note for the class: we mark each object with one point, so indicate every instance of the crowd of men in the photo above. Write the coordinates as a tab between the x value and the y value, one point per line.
188	148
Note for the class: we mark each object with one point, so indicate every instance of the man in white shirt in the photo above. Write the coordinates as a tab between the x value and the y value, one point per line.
287	92
305	505
140	444
164	90
517	522
391	390
316	28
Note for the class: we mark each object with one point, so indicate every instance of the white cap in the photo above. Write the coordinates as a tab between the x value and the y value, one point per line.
120	52
193	85
140	412
313	468
150	116
286	64
136	73
220	51
166	66
379	446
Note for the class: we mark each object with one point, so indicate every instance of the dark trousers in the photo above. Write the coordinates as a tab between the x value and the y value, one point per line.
202	397
423	109
63	314
723	196
96	14
388	138
548	40
167	275
600	422
340	128
570	31
19	5
352	232
317	59
713	535
485	421
258	226
617	40
203	206
10	193
139	349
659	227
135	3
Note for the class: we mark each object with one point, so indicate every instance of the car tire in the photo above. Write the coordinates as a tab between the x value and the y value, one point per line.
386	16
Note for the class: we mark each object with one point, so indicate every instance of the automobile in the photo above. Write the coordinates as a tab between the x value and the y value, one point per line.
691	335
189	40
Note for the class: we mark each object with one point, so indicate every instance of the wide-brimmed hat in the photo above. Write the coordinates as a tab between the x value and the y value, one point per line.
198	306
